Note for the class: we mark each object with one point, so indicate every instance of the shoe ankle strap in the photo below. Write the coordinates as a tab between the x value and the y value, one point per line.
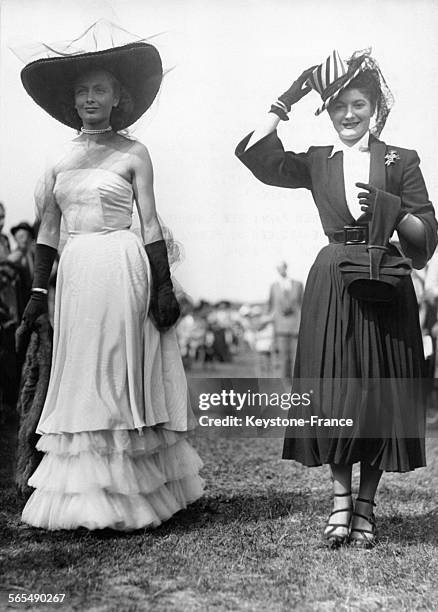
342	494
371	519
365	501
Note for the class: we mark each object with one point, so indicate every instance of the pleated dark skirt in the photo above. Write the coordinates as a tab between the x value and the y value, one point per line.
360	361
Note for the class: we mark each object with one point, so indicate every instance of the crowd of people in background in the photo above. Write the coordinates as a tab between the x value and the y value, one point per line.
211	333
16	273
215	332
16	268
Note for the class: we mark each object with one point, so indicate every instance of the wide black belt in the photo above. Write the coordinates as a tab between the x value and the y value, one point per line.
351	234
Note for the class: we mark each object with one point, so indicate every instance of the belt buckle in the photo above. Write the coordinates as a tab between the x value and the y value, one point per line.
355	234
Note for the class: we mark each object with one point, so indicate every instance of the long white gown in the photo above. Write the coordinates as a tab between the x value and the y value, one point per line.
116	417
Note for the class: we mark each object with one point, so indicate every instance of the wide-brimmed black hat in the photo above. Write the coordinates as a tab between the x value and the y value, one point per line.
24	225
137	66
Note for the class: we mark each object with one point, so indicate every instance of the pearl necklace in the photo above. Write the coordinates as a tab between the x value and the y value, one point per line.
91	132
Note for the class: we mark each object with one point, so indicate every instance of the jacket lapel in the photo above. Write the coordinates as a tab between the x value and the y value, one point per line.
377	163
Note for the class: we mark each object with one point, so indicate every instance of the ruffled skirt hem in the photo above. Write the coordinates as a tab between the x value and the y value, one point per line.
112	479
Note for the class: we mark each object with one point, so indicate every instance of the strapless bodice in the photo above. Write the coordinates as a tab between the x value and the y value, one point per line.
93	200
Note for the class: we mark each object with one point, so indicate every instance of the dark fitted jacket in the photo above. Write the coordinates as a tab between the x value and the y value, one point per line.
323	176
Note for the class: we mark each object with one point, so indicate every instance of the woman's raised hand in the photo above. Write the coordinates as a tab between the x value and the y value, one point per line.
296	91
281	107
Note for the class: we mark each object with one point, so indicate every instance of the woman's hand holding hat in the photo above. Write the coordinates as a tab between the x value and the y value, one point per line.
281	107
296	91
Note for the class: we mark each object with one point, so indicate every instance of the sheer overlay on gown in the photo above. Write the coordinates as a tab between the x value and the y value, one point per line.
116	418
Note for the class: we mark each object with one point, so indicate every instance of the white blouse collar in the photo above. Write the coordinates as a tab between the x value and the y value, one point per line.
361	145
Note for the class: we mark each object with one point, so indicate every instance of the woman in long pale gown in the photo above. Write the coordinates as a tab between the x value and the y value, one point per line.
116	417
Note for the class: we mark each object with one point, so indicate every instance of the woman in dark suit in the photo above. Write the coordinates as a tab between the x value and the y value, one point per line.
359	350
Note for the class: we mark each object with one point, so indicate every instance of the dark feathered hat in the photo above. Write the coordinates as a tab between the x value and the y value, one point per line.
334	75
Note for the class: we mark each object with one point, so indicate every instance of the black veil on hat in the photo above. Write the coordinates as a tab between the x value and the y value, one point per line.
333	75
53	68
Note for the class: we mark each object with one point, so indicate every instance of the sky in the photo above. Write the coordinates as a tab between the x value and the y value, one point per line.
230	59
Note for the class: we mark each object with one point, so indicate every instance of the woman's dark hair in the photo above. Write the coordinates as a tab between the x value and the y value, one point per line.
368	84
119	114
371	83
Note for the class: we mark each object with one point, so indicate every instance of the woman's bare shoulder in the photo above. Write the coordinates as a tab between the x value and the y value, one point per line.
140	159
63	157
135	147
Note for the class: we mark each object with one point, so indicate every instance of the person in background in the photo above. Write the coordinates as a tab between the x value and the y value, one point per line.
22	257
5	247
219	321
285	299
9	280
264	340
184	330
11	308
248	331
431	295
431	302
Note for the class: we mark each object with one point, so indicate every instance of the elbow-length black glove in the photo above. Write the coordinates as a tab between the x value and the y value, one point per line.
164	305
38	302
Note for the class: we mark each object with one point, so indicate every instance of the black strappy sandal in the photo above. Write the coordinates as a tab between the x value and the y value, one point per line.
332	539
366	538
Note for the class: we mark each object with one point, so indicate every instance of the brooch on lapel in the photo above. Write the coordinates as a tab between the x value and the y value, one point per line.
391	157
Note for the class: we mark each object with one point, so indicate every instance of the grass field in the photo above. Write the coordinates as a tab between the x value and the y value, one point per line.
252	543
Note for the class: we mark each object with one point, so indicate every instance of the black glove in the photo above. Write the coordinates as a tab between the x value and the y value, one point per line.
296	91
164	305
367	199
36	306
38	303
